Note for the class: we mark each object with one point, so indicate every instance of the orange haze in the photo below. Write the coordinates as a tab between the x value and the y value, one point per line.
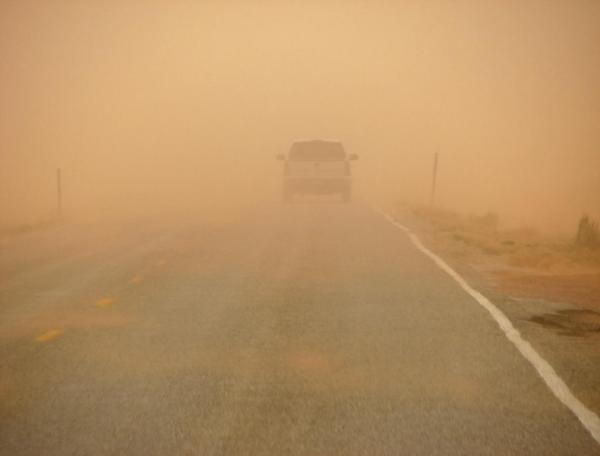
179	106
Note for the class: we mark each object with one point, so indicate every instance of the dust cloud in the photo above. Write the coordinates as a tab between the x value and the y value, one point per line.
172	107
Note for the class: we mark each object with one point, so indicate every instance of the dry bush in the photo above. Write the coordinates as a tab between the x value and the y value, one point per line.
486	222
588	233
27	228
523	248
521	236
441	218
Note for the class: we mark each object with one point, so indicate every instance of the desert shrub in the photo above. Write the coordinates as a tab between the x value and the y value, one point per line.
442	219
490	249
489	221
588	233
522	235
27	228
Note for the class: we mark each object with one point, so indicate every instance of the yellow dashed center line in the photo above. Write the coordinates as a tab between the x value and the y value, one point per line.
48	335
137	279
105	302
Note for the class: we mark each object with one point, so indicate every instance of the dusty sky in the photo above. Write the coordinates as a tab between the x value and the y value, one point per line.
174	105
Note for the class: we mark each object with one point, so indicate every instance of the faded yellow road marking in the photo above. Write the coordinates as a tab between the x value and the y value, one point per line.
307	362
48	335
136	279
105	302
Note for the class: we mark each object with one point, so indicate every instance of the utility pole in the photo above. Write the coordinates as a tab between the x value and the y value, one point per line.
59	205
434	178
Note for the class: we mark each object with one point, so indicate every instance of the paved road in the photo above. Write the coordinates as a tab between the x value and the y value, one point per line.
311	330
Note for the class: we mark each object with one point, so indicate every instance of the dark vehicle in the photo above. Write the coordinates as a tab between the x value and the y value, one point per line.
317	168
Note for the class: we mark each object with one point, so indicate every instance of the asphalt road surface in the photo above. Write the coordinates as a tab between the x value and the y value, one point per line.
310	329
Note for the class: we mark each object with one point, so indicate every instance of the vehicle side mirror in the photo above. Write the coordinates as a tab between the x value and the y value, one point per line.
280	157
353	157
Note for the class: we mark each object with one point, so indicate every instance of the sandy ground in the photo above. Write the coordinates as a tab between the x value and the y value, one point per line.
521	263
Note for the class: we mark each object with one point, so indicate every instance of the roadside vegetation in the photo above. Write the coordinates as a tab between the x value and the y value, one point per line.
522	262
27	228
518	247
588	233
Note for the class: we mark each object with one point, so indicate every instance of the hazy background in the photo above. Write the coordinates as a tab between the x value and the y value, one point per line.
168	107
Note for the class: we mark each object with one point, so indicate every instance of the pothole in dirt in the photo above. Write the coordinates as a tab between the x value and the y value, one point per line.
570	322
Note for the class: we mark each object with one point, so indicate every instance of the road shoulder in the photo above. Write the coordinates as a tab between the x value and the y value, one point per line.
562	331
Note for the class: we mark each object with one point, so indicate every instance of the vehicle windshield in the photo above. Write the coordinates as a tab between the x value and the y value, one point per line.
317	151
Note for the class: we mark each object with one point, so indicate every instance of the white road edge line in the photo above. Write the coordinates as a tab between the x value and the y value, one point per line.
559	388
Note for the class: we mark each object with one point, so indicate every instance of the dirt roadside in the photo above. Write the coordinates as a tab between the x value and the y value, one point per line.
518	262
546	287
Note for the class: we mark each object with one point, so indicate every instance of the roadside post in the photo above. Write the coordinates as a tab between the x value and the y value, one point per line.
434	178
59	203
